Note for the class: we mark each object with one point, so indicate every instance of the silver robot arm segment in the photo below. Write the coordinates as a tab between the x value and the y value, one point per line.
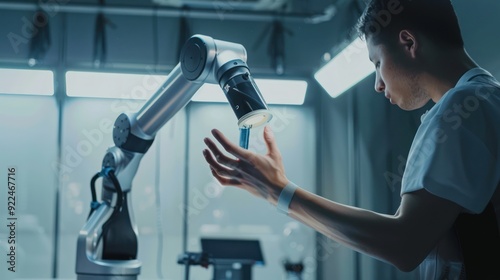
107	244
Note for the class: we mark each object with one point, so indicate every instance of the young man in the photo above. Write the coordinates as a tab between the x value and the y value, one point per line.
449	196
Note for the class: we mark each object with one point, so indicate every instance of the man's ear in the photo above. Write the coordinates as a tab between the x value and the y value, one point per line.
408	40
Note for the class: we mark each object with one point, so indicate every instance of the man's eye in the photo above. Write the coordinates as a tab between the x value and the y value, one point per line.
377	65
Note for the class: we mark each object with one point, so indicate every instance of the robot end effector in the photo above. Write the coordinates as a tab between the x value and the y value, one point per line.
225	65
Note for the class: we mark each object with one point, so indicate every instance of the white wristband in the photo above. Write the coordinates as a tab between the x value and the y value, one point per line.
286	197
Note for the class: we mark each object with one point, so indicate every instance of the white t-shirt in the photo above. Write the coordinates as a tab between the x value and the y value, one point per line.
455	155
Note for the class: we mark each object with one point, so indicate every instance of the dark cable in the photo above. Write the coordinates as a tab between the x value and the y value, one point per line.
92	185
276	44
184	32
100	44
99	40
118	188
40	42
94	204
155	39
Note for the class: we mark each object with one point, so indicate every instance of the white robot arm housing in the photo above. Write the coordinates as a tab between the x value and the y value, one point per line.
107	243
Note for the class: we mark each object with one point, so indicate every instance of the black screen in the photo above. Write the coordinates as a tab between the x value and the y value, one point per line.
233	249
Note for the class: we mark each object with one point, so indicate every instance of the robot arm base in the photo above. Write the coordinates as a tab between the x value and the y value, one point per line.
106	277
89	266
114	270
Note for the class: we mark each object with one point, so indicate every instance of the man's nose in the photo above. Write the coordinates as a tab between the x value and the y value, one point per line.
379	85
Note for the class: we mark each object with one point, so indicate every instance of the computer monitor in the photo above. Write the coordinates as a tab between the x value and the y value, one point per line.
233	258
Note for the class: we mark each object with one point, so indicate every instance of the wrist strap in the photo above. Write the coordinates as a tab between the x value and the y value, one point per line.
286	197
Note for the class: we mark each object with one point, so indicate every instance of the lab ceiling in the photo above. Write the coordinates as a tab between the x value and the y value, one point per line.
149	33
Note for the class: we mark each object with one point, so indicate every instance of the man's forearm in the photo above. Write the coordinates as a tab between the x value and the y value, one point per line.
378	235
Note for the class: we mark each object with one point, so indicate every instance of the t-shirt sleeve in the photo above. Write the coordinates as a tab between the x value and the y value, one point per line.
449	158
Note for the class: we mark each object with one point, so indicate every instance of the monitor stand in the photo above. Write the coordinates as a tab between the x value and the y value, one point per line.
233	259
234	271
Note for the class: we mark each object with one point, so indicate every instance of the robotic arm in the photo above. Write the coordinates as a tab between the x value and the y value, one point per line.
107	243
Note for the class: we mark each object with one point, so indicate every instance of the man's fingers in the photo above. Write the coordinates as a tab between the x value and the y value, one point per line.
224	180
230	147
272	147
219	156
222	170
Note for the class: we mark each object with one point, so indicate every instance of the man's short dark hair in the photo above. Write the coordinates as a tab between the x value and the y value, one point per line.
382	20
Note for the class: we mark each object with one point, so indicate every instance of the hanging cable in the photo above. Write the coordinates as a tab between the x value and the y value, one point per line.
99	40
40	42
110	173
119	193
184	32
92	186
94	204
100	44
276	45
155	39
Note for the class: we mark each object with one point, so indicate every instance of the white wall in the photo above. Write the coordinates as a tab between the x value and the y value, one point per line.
30	144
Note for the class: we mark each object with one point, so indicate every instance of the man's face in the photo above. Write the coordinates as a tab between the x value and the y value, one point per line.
396	76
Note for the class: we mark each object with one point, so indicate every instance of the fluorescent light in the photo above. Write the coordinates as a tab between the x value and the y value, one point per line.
26	81
291	92
346	69
135	86
286	92
209	93
112	85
